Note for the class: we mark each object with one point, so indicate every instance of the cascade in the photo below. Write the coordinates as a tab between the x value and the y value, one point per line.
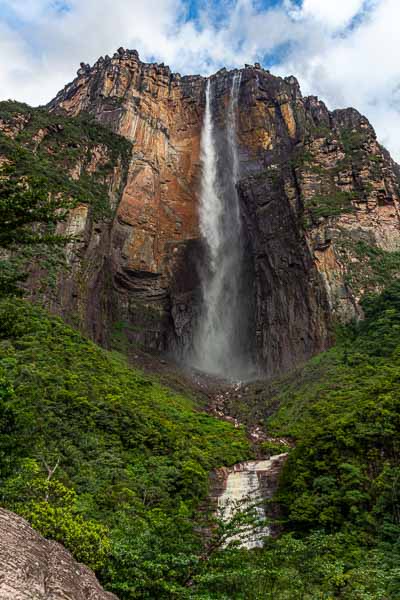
221	337
248	485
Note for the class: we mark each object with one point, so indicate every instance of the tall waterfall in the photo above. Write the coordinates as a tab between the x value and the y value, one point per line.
221	338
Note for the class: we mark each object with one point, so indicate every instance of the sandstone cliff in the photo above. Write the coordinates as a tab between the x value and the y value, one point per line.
319	198
32	567
154	236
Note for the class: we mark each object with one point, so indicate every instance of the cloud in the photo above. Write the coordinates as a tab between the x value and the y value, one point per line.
344	51
359	68
333	15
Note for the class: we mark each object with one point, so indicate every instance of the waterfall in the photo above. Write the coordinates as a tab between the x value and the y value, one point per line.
232	143
211	202
221	337
248	484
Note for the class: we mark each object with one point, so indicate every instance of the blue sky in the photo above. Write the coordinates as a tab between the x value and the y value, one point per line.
345	51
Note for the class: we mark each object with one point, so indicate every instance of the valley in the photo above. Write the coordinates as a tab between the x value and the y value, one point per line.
199	341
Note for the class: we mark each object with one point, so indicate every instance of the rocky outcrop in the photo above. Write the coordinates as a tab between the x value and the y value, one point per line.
319	198
78	161
350	192
34	568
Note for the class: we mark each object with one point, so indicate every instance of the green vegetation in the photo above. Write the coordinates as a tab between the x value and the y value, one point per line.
376	158
321	131
317	567
48	167
341	484
373	267
344	473
301	157
28	219
331	200
51	146
114	466
352	140
271	448
130	460
330	205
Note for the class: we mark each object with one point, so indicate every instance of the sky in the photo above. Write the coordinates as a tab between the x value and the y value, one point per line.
344	51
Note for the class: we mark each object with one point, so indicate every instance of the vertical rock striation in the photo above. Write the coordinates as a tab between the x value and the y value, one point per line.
154	234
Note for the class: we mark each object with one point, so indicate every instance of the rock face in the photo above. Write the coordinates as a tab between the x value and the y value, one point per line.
34	568
319	199
154	236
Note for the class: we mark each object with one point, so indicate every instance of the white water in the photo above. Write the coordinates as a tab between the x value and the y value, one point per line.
243	492
211	204
219	340
232	142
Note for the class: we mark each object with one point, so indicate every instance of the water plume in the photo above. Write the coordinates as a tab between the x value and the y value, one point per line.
221	337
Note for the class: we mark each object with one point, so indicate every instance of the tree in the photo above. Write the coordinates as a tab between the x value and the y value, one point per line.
53	510
29	214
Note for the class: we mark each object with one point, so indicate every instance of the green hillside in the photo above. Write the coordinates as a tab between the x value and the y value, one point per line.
132	462
131	456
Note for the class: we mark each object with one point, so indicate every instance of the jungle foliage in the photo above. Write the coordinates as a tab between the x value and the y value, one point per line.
73	157
50	163
100	457
115	467
28	219
340	489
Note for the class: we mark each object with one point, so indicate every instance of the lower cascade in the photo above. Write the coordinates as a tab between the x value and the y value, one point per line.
221	337
247	486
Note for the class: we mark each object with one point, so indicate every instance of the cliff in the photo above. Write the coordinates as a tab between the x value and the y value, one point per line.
319	198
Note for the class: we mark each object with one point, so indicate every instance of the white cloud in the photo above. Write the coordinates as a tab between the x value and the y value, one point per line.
346	51
333	14
360	68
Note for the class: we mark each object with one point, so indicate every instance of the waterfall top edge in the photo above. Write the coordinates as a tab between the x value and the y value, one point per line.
256	466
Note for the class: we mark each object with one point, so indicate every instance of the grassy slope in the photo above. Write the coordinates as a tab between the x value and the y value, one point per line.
136	458
343	410
345	414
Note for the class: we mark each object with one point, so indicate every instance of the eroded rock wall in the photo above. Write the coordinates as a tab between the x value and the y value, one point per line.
320	197
151	239
316	190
